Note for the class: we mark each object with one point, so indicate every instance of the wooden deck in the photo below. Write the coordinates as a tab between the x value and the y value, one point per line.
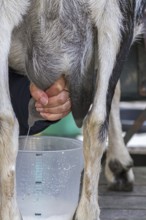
124	205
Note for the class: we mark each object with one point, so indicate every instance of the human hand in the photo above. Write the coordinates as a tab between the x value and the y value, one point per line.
54	103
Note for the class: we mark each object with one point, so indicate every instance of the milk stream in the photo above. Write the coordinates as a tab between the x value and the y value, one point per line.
26	139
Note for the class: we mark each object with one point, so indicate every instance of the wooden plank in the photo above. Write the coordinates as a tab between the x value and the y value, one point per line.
137	191
140	175
113	214
126	202
137	150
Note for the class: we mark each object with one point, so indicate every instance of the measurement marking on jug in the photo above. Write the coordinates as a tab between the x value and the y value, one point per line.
38	182
38	154
38	175
38	214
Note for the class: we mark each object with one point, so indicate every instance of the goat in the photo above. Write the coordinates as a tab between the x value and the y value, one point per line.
51	38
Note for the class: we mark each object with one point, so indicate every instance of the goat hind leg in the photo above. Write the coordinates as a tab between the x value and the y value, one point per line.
113	46
96	123
118	165
118	169
88	208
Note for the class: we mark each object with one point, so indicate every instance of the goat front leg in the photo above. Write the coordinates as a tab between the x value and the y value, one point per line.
118	169
113	45
8	142
10	13
8	153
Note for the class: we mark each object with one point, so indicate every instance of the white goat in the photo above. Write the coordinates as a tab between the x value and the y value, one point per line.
51	38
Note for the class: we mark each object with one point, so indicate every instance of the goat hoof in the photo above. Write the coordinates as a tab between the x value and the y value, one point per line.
123	176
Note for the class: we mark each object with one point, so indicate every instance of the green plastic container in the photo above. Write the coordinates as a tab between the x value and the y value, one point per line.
65	128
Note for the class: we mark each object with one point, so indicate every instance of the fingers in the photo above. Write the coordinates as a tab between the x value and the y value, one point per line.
54	103
54	117
56	110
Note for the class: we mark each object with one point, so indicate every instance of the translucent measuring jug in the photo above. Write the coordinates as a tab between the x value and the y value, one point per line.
48	175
